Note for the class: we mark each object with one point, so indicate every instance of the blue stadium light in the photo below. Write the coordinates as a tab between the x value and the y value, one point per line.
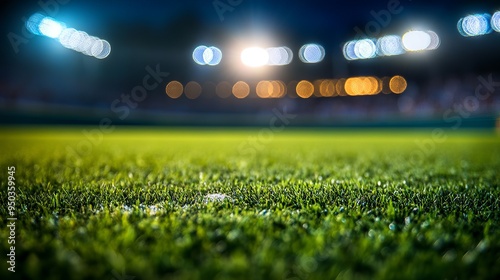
204	55
311	53
70	38
33	23
495	21
198	55
474	25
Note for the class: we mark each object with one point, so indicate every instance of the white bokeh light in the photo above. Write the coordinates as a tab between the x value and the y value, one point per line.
254	57
214	56
198	54
50	27
390	45
70	38
364	49
416	40
279	56
435	40
495	21
106	50
311	53
474	25
348	50
204	55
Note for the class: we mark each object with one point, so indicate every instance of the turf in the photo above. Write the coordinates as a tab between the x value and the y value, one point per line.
291	205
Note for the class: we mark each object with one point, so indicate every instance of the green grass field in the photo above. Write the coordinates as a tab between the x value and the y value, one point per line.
305	204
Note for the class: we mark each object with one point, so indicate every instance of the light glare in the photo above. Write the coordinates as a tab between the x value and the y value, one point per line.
254	57
416	41
50	27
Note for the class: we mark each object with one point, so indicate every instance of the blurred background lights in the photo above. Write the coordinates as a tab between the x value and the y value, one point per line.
495	21
50	27
365	48
264	89
474	25
204	55
70	38
348	50
416	40
305	89
254	57
241	89
435	41
311	53
192	90
279	56
397	84
390	45
327	88
198	55
33	23
357	86
174	89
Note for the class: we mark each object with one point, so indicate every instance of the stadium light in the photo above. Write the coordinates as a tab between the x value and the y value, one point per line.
414	41
311	53
254	57
70	38
474	25
204	55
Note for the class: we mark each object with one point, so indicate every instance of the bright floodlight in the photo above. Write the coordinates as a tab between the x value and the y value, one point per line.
474	25
254	57
311	53
416	41
364	49
390	45
50	27
495	21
